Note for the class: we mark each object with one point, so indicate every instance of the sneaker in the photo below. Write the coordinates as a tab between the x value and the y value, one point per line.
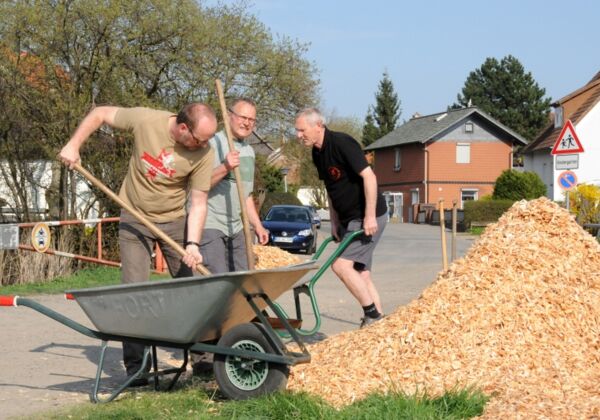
367	320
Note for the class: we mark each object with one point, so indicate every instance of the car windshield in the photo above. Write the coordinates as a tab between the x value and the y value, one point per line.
287	215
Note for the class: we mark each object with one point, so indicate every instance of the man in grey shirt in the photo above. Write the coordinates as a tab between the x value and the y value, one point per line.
223	247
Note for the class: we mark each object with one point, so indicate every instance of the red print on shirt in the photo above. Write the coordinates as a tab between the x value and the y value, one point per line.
334	172
161	166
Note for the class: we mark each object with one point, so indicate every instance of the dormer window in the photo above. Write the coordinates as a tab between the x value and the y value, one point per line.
558	117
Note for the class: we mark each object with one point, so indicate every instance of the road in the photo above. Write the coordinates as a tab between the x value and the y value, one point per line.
44	365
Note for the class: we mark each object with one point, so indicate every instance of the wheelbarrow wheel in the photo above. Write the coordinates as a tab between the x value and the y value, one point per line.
241	378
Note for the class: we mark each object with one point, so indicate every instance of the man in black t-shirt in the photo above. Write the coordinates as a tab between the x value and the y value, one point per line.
354	204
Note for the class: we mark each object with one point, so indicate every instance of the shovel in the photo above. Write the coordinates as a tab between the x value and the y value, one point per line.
140	217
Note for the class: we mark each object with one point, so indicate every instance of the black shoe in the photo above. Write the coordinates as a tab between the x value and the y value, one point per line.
367	320
138	382
202	368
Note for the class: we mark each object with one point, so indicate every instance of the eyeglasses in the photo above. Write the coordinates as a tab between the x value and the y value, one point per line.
196	139
243	118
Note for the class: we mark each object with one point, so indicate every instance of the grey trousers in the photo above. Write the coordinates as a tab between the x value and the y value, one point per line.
222	253
136	244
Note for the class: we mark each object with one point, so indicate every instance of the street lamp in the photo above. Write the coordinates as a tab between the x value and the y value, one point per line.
284	172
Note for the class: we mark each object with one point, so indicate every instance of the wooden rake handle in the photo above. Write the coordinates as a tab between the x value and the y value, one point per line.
140	217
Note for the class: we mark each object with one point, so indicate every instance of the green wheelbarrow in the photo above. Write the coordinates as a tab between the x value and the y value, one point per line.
192	314
308	288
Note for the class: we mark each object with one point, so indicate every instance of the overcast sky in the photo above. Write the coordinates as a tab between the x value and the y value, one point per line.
429	47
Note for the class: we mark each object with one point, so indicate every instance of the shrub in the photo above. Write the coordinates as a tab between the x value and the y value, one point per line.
516	185
584	202
485	211
275	198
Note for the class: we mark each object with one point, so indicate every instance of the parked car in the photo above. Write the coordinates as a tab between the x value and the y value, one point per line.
291	228
315	216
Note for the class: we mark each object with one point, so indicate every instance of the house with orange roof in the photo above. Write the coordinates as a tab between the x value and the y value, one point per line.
582	108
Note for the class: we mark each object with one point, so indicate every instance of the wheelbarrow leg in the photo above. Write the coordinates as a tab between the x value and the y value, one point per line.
94	397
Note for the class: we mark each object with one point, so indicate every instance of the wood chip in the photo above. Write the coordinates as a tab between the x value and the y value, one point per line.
517	317
272	257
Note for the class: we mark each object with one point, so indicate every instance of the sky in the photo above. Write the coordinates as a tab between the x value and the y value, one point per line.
428	48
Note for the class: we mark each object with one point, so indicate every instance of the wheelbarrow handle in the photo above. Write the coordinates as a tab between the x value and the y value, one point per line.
178	248
8	300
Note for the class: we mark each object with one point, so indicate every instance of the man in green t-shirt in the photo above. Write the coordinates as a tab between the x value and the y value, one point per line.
170	160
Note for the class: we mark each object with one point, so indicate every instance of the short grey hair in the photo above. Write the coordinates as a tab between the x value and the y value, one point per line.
312	116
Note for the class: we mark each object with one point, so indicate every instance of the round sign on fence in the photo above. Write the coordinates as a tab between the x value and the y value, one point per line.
567	180
40	237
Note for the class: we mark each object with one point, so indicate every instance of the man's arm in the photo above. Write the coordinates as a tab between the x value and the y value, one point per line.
98	116
232	160
195	225
370	187
261	233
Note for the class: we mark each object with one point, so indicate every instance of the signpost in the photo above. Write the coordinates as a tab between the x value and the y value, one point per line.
567	180
40	237
563	162
566	156
567	142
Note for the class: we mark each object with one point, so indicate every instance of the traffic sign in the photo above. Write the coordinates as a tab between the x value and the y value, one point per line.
40	237
567	180
567	142
562	162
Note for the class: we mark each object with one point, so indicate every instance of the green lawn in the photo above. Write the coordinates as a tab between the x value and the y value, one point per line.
92	277
194	402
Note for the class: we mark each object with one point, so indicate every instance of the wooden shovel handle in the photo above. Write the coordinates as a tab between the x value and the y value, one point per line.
238	178
140	217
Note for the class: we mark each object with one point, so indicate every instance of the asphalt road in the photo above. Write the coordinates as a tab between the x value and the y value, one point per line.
44	365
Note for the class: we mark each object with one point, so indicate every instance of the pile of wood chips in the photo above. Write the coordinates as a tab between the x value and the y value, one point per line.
272	257
518	317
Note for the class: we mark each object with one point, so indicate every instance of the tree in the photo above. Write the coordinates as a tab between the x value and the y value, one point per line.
507	93
155	53
382	118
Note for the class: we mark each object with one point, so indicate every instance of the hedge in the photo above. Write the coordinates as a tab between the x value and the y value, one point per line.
485	211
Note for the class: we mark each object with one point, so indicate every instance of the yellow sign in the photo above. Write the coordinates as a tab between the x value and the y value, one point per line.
40	237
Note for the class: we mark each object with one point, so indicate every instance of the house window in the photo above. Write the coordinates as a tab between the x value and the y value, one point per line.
558	116
463	152
468	127
397	159
467	195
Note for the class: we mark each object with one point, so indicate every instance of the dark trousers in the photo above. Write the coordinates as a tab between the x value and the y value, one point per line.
136	244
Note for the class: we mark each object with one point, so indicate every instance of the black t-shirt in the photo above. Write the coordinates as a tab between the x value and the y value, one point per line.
339	163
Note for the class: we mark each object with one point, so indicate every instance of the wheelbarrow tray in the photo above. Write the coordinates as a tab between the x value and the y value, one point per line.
184	310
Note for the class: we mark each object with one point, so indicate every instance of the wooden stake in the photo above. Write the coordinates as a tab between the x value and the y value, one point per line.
443	229
454	221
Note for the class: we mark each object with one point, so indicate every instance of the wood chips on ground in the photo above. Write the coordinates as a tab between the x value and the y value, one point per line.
518	317
272	257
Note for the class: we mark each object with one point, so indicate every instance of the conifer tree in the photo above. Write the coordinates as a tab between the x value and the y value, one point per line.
507	93
382	118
